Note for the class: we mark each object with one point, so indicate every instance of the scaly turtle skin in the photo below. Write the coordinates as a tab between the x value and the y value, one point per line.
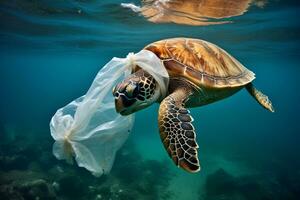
200	73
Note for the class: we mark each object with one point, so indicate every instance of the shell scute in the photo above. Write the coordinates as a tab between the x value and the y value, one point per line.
161	52
201	62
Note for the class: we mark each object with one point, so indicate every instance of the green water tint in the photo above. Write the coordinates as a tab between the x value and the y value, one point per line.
50	52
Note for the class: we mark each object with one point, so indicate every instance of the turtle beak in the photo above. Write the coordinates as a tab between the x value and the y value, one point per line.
119	98
119	105
124	105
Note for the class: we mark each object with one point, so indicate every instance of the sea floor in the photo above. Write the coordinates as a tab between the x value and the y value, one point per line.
30	171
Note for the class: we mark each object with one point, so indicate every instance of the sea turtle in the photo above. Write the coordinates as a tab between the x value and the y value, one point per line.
200	73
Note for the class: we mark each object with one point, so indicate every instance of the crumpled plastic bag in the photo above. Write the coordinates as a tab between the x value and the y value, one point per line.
89	129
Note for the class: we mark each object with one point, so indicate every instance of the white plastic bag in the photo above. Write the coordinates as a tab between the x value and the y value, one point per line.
89	128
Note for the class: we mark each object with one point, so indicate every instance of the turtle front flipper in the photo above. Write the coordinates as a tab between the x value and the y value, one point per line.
177	132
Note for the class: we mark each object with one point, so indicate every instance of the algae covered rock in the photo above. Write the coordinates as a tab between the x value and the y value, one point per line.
27	190
37	189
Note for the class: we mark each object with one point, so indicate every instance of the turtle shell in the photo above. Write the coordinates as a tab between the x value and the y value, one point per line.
201	62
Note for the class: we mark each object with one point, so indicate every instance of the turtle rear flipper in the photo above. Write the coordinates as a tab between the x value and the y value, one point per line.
261	98
177	132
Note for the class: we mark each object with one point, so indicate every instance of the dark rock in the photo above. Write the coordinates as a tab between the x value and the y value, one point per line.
8	192
72	186
37	189
31	190
30	171
220	183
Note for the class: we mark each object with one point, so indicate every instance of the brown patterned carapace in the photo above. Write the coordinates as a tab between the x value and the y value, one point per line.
201	62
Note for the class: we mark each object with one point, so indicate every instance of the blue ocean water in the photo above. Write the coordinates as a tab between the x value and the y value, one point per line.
51	52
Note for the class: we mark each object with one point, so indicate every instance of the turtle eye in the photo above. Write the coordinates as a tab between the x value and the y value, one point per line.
132	90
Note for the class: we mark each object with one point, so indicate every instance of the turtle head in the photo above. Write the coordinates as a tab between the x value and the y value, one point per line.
136	92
